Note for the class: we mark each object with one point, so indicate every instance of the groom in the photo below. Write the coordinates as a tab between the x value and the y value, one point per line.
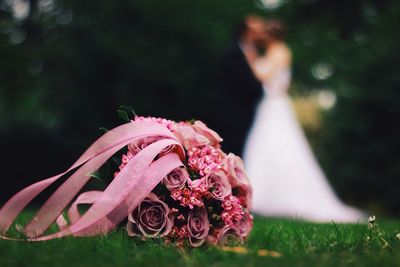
240	90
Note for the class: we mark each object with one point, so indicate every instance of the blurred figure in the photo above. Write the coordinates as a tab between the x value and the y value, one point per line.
241	90
287	180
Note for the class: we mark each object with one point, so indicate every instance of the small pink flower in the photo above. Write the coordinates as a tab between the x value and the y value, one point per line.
225	215
183	232
194	201
192	161
196	195
205	159
237	217
189	197
202	188
229	222
176	195
207	170
199	186
186	192
125	159
185	201
227	203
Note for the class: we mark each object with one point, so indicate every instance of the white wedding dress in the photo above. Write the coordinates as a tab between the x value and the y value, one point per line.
286	178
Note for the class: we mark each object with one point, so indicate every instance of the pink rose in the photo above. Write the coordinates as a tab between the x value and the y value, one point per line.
213	138
198	226
244	226
176	179
245	195
219	184
234	167
151	218
241	187
140	144
194	135
225	236
187	136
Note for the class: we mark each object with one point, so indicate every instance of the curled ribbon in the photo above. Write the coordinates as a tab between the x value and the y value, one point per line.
110	207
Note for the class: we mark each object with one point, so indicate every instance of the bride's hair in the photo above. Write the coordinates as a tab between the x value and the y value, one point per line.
276	30
242	27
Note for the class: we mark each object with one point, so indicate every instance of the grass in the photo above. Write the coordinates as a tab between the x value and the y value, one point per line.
299	243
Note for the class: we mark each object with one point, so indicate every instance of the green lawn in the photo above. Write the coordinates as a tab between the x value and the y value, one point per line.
301	244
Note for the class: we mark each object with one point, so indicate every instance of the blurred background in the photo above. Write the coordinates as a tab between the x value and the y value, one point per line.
66	66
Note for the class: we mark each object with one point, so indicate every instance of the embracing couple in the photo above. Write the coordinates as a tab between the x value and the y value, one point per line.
260	124
259	50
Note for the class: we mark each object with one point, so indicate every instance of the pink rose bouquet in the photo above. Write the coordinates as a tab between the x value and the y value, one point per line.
173	182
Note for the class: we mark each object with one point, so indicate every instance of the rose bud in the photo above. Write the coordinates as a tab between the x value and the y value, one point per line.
176	179
151	218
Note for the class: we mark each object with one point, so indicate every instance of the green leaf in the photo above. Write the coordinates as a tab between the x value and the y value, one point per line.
129	110
96	175
123	115
115	160
104	130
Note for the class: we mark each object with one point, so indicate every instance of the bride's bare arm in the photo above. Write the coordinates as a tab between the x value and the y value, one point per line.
263	68
278	57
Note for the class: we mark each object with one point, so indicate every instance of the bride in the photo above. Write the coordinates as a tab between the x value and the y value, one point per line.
286	178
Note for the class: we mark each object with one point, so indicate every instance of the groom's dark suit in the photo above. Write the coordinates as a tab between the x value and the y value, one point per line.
240	94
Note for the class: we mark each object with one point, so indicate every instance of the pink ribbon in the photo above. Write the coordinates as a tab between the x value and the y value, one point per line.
126	191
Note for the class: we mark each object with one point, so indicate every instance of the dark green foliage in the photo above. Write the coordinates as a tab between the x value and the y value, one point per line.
64	72
360	137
